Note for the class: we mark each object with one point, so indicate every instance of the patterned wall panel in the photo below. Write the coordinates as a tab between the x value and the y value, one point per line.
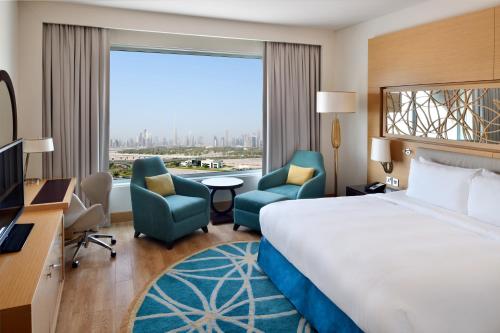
460	113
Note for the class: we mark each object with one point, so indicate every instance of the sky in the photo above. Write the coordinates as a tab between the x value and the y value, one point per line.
201	95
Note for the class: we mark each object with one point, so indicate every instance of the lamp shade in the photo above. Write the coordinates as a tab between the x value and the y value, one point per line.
38	145
336	101
381	150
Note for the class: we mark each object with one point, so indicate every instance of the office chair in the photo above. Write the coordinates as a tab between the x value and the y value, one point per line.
81	223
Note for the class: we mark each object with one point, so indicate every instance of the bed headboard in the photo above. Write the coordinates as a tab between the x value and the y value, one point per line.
460	160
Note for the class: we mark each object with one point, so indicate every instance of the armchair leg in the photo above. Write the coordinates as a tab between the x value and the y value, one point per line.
137	234
235	227
205	229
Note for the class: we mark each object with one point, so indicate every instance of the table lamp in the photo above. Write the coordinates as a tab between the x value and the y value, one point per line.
336	102
30	146
381	152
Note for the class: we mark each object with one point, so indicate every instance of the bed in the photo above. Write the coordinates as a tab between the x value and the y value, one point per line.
385	262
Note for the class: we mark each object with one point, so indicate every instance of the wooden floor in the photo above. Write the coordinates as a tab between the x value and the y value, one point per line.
97	295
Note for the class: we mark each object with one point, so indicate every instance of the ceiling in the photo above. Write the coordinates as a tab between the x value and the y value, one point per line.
332	14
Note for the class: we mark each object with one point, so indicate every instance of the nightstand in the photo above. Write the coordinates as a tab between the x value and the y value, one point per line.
353	190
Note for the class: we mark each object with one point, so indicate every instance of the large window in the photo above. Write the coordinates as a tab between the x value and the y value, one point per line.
199	113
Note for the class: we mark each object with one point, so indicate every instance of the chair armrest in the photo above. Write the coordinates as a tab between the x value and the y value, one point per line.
273	179
148	206
151	213
89	219
190	188
75	209
144	199
313	188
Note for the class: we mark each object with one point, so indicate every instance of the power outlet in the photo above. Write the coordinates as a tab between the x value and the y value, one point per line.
395	182
388	180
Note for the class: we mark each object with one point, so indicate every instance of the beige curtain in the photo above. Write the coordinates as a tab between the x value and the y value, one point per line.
75	100
292	78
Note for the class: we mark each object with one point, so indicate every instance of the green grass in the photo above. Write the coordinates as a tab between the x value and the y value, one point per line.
124	169
226	152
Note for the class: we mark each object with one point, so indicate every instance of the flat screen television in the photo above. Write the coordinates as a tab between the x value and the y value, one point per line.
11	186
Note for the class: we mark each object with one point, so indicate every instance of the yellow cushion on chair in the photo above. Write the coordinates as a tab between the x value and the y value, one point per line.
299	175
161	184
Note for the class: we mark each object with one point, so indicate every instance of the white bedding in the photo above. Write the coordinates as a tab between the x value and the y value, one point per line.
392	263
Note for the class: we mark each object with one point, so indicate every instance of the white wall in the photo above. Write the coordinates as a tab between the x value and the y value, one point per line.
350	59
8	38
33	14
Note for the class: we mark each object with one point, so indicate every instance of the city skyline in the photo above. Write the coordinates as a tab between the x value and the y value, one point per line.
182	95
146	139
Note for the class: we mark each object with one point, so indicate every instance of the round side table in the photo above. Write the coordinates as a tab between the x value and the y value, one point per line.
222	183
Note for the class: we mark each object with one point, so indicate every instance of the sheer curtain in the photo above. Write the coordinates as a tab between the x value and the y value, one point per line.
292	78
75	100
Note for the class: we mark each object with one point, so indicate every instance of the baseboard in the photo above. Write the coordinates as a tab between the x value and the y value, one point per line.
121	217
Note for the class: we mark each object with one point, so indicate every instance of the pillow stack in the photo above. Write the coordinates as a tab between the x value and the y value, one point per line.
483	198
467	191
440	184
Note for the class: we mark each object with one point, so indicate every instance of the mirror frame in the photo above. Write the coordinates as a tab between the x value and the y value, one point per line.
4	76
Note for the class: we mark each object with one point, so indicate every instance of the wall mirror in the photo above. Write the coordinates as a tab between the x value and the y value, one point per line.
462	113
8	112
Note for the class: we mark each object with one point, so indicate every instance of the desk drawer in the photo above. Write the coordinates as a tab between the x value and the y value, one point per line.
47	297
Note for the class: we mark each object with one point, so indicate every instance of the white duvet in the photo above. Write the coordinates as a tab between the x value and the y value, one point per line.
393	264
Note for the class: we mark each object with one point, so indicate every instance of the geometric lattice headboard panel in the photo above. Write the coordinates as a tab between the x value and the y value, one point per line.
460	113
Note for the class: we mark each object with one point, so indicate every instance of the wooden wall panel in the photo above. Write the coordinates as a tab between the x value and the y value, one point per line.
497	43
460	49
452	50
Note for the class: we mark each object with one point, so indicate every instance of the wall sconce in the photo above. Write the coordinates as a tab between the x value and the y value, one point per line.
381	152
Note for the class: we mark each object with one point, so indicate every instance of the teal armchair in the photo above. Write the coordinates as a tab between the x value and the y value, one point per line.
171	217
314	188
273	188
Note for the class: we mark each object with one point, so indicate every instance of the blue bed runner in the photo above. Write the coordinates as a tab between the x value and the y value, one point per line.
318	309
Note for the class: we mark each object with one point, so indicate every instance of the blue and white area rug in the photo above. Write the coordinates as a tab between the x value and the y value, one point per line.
221	289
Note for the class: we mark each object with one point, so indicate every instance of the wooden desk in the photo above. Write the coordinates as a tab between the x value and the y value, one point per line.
31	281
31	190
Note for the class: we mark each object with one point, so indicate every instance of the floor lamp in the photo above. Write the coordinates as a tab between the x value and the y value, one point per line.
336	102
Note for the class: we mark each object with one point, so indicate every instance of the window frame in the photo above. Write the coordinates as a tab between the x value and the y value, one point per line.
200	175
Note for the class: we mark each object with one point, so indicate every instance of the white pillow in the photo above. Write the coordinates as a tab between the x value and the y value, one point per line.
483	198
425	160
440	185
488	173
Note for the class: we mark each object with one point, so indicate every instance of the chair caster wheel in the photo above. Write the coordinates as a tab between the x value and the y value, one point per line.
113	254
75	264
113	241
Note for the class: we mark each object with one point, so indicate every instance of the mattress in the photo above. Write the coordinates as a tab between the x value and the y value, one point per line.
392	263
